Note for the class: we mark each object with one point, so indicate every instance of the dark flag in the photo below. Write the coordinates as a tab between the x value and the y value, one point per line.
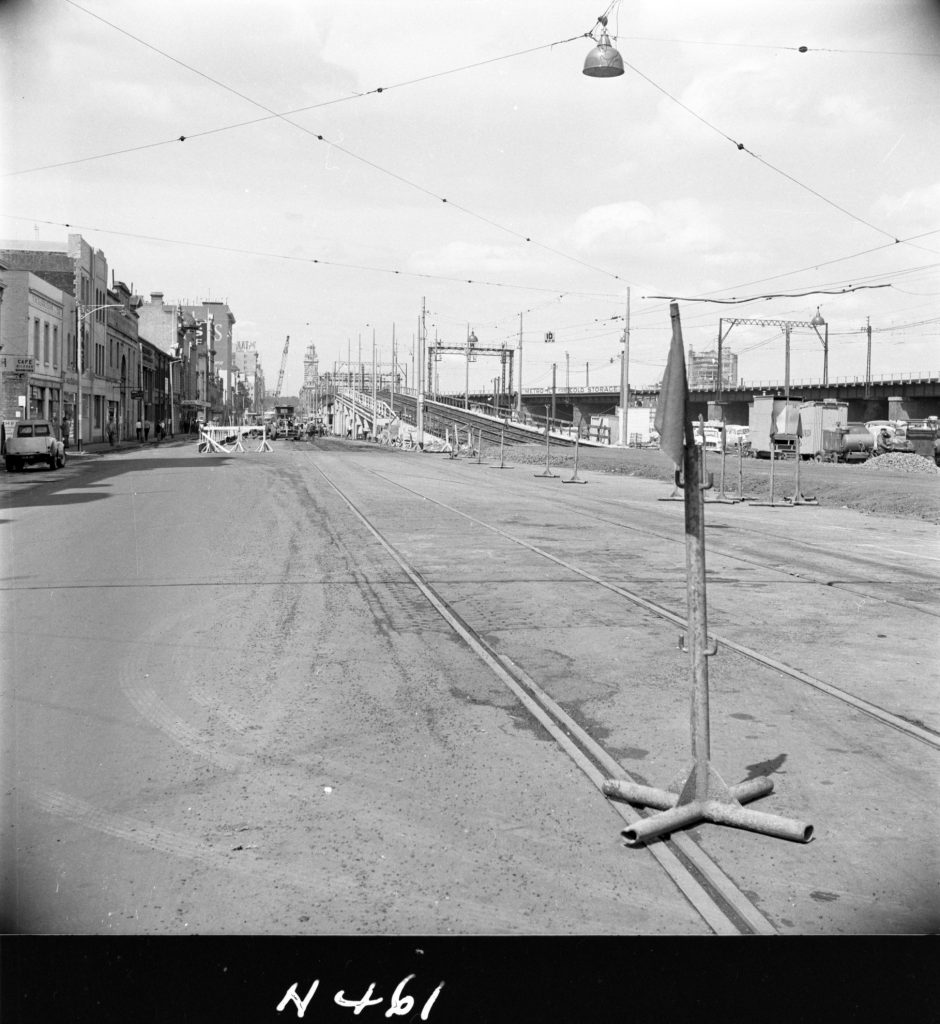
672	409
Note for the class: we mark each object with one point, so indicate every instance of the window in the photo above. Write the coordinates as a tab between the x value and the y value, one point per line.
45	344
42	430
55	345
36	352
24	430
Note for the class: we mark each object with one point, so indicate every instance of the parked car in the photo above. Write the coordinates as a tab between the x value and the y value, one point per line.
33	441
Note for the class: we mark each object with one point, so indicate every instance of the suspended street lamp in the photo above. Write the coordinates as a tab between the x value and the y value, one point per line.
603	61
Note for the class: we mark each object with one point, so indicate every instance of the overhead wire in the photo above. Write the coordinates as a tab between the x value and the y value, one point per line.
307	259
355	156
271	114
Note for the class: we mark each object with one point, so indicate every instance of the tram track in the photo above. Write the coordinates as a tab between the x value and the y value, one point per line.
854	587
725	908
882	715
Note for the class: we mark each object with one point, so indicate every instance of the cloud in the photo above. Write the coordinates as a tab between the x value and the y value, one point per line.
850	111
916	208
678	225
465	259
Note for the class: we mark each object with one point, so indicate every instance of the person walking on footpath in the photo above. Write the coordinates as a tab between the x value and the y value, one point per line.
140	431
110	429
65	431
146	430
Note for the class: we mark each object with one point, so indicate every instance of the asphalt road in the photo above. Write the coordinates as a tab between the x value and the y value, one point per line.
228	710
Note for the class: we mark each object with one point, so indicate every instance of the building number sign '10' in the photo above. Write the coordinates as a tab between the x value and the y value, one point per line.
400	1005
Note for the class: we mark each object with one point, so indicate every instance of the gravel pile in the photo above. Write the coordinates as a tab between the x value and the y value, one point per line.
901	462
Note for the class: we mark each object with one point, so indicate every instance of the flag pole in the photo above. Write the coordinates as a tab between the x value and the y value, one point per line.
701	794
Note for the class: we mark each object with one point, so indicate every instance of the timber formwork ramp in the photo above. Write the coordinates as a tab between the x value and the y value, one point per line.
441	417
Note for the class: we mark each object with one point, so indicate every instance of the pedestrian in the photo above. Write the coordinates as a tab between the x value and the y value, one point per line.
65	431
146	430
140	431
111	431
161	430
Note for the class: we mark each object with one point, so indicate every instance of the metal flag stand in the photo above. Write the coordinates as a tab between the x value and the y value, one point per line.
798	498
676	490
547	472
700	795
721	498
741	496
502	465
574	477
479	461
771	503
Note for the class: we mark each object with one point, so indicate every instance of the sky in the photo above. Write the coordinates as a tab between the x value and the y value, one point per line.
344	165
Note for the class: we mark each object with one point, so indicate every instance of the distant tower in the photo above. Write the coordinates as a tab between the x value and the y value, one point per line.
308	392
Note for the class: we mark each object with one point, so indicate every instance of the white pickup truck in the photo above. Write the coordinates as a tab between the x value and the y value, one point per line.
33	441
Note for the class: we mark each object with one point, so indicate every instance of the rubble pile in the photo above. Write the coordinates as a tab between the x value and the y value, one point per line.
901	462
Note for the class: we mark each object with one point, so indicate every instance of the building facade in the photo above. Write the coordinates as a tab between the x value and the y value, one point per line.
703	367
55	295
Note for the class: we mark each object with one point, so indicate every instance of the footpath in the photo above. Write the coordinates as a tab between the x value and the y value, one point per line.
129	444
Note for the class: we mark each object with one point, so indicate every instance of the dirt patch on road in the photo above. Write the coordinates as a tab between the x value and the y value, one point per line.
863	487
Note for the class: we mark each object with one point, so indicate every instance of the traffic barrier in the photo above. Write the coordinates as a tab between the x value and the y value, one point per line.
220	440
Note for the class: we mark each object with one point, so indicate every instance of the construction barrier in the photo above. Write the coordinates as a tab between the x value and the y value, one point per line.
225	440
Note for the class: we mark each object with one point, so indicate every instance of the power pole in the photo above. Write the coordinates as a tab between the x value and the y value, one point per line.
625	377
419	380
554	366
868	359
394	369
519	393
375	393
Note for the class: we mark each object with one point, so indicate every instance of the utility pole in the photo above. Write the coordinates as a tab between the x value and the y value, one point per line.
868	359
625	377
519	393
394	369
419	380
554	366
375	394
587	375
466	383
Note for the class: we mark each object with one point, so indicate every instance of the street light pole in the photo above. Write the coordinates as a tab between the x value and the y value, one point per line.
80	318
625	377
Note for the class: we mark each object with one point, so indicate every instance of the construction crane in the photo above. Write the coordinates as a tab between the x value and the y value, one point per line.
280	376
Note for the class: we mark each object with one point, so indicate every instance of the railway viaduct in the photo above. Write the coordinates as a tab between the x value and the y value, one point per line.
904	396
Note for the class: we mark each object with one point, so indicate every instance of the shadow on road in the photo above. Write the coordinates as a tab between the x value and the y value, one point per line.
43	487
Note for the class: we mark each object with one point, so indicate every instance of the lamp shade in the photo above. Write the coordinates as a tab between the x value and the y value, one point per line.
603	61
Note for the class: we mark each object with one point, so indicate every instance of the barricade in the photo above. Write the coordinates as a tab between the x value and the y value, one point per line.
225	440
